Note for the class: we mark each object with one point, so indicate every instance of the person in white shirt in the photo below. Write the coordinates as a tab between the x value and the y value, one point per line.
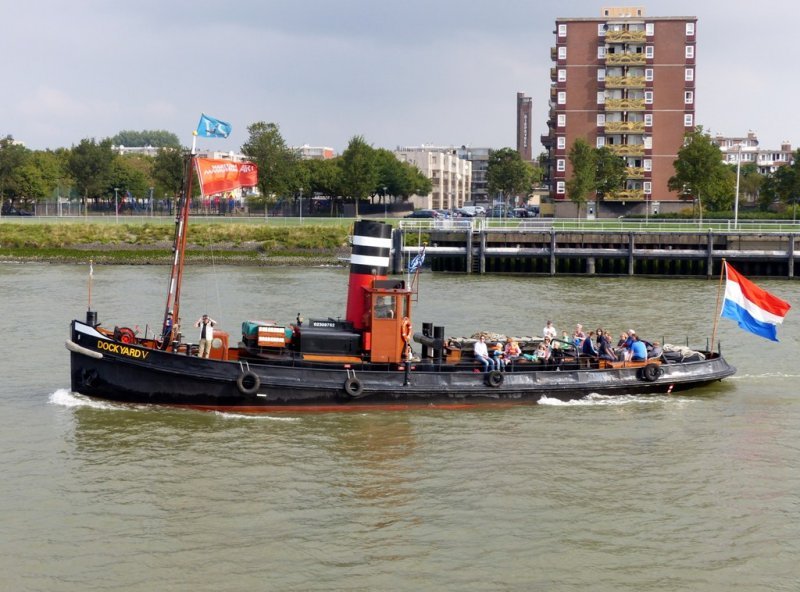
481	353
549	330
206	335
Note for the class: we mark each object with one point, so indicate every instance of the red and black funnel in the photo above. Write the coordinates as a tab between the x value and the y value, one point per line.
369	260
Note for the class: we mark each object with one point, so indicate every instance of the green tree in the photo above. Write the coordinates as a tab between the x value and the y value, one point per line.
155	138
359	170
401	179
509	174
127	175
583	180
13	157
277	163
167	171
701	173
610	171
90	164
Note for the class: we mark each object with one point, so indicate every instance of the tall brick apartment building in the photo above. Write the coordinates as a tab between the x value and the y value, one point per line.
625	81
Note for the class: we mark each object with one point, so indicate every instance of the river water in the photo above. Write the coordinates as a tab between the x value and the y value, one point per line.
693	492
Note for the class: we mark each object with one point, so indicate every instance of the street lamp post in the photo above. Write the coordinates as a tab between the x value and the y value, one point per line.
116	205
385	205
736	202
301	205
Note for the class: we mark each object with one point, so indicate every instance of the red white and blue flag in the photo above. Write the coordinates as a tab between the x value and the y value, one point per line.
753	308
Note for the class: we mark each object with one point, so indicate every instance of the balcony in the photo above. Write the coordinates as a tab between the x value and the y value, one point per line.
625	37
635	172
624	127
627	195
625	59
625	82
553	75
553	54
626	149
625	105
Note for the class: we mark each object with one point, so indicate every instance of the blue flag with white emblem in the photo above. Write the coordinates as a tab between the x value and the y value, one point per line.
210	127
417	261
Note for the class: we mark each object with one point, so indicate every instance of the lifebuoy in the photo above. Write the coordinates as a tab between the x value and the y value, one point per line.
353	387
248	383
494	378
651	372
405	329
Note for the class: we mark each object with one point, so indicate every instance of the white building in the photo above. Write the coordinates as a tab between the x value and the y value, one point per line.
450	174
307	152
747	149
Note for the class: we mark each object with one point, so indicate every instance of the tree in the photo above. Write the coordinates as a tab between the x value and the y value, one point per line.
507	172
90	165
359	170
700	172
155	138
277	163
167	171
583	181
401	179
13	156
610	171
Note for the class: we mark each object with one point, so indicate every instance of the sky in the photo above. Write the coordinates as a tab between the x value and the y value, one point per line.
397	73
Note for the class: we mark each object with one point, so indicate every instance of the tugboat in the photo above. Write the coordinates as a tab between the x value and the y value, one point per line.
363	360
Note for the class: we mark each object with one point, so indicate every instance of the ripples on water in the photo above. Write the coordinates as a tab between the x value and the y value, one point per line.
693	492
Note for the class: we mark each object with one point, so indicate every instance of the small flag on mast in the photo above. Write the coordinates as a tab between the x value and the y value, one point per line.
753	308
209	127
417	261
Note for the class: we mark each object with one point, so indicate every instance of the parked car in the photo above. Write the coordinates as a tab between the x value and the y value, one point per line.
430	214
9	210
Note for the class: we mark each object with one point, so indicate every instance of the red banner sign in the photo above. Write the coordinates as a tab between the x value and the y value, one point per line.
219	176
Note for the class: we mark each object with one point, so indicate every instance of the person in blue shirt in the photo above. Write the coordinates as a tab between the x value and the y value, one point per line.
638	350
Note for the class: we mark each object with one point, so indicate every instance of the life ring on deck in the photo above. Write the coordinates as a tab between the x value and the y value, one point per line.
353	387
651	372
405	329
125	335
494	378
248	383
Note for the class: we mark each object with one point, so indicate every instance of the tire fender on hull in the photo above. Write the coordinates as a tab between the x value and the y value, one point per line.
494	378
248	383
650	373
353	387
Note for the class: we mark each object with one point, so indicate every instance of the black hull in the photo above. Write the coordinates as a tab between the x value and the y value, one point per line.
103	368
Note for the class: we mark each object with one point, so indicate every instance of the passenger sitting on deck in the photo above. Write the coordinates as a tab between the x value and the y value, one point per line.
512	350
638	350
482	354
578	336
498	356
588	348
604	347
655	351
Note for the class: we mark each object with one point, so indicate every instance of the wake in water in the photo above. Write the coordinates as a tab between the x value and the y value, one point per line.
595	399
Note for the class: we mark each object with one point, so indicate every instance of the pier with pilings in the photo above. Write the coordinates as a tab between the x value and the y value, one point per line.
465	247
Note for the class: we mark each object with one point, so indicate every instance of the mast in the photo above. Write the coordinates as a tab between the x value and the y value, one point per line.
179	247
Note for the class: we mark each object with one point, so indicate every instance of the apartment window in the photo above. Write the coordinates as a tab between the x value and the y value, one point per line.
648	52
562	53
689	29
648	120
561	142
648	187
601	29
562	75
601	53
689	52
648	143
601	141
688	120
562	30
648	74
561	120
560	187
648	164
601	119
601	75
648	97
649	29
688	97
601	98
562	97
561	165
689	74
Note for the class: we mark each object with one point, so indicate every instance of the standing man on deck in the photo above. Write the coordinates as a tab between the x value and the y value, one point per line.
206	325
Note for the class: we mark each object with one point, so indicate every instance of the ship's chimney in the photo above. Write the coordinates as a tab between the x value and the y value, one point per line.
369	260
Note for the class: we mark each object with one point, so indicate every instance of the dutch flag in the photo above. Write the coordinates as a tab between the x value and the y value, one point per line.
753	308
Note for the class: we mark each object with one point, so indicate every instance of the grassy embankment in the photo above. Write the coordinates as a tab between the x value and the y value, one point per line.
152	243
